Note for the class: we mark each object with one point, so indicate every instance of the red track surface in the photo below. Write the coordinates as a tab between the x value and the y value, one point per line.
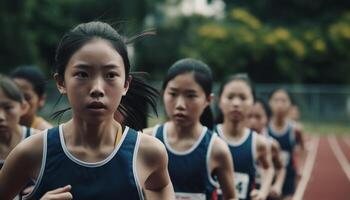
328	181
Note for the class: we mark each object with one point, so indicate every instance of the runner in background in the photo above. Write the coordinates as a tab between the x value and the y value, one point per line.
258	118
236	97
288	135
196	155
32	83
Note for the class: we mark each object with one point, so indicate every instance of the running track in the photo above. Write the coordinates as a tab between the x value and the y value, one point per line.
326	175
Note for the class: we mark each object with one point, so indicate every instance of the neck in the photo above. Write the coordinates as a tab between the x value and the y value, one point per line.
27	120
279	121
191	131
234	128
91	135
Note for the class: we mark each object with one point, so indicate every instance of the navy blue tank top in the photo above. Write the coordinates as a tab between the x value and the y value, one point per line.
189	170
113	178
243	156
286	140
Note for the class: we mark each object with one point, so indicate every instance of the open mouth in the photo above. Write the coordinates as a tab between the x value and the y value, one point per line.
96	105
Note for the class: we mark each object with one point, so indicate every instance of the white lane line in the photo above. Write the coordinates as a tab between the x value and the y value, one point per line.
347	141
343	161
307	170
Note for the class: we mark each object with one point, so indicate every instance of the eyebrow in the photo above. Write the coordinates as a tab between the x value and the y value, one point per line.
87	66
186	91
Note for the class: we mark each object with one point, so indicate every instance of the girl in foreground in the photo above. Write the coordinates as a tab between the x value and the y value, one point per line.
79	159
195	153
247	147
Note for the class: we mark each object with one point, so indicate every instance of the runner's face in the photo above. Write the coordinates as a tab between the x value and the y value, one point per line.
184	100
257	118
94	81
236	100
10	113
31	97
280	103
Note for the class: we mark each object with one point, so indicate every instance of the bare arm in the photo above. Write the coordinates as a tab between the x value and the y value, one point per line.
264	160
153	169
28	153
280	170
222	164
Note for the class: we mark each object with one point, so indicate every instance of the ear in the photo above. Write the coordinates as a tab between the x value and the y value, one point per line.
60	84
24	108
127	85
42	100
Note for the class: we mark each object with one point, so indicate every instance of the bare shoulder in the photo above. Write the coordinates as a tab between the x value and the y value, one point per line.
220	148
149	131
152	151
28	153
44	125
261	142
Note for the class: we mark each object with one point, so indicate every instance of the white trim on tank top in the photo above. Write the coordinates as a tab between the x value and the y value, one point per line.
134	167
42	168
188	151
281	133
88	164
233	143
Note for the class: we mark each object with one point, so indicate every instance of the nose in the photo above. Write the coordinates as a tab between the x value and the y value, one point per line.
97	88
2	115
236	102
180	103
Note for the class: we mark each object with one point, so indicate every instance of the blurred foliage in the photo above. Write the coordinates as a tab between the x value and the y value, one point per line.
274	41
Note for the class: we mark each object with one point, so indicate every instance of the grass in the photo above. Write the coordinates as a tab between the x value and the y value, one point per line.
326	128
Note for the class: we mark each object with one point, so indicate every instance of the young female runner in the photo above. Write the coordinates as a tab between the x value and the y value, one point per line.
32	83
288	136
12	107
258	118
196	155
247	147
79	159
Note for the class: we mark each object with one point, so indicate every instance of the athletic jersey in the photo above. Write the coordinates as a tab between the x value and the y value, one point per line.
286	140
112	178
189	170
243	155
26	132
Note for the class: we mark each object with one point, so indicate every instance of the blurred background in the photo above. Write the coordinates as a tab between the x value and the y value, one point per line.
302	45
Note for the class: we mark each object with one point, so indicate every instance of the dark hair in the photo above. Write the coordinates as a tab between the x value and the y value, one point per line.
265	107
282	90
11	89
130	107
202	75
237	77
33	75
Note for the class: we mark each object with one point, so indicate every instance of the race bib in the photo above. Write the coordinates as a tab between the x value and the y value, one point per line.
241	184
189	196
285	158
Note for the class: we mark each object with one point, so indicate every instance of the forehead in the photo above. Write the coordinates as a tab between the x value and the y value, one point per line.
280	94
96	53
237	86
4	99
184	82
23	84
258	108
